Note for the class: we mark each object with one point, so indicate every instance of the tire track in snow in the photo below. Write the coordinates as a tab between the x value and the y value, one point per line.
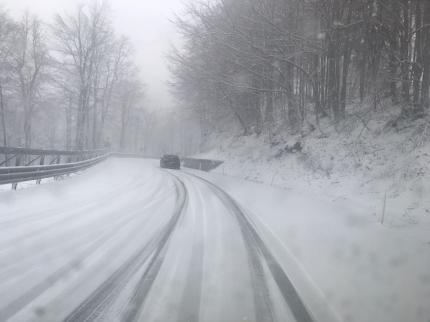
147	279
20	302
99	301
11	218
76	240
63	216
259	251
95	305
191	298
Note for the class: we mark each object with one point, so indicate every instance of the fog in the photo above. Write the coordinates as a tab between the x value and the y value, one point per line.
146	23
215	160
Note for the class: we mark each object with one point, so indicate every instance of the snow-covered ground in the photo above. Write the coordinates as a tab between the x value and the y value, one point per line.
63	239
354	211
365	271
126	241
68	248
363	160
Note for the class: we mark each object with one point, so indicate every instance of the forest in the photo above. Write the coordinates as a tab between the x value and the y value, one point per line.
270	64
258	65
71	84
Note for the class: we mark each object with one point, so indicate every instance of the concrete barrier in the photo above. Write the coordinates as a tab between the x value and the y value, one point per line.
201	164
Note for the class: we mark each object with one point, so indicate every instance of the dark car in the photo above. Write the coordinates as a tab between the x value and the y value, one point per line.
169	161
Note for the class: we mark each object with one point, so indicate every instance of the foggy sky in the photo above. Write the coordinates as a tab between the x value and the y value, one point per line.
145	22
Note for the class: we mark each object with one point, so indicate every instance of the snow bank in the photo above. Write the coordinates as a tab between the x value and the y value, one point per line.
338	254
362	161
327	204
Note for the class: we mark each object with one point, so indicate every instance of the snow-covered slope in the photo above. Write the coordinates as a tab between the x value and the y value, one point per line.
355	211
364	161
363	270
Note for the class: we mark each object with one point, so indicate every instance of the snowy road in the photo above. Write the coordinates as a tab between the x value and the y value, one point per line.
127	241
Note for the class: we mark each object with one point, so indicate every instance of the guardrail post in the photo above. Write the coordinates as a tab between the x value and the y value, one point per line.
17	164
69	160
42	162
18	160
58	162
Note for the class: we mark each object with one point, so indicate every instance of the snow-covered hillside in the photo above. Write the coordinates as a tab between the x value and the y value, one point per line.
355	211
370	160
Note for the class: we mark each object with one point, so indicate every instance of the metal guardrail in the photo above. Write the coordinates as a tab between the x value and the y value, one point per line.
20	164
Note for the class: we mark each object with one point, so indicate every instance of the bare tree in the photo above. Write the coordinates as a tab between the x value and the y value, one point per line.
31	60
280	55
80	39
130	96
118	56
8	32
72	80
426	57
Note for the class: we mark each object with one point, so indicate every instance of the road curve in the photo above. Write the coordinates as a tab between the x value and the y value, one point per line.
127	241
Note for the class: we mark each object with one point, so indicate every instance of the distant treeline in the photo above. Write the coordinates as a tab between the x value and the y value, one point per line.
265	62
69	85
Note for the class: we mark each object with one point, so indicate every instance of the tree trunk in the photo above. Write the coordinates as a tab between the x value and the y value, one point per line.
333	80
236	113
404	55
268	115
363	69
344	84
80	121
124	122
426	59
289	91
3	117
302	99
417	64
394	48
69	124
95	118
28	115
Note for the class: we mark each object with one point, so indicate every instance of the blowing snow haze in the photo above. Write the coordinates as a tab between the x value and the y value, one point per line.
215	160
146	23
